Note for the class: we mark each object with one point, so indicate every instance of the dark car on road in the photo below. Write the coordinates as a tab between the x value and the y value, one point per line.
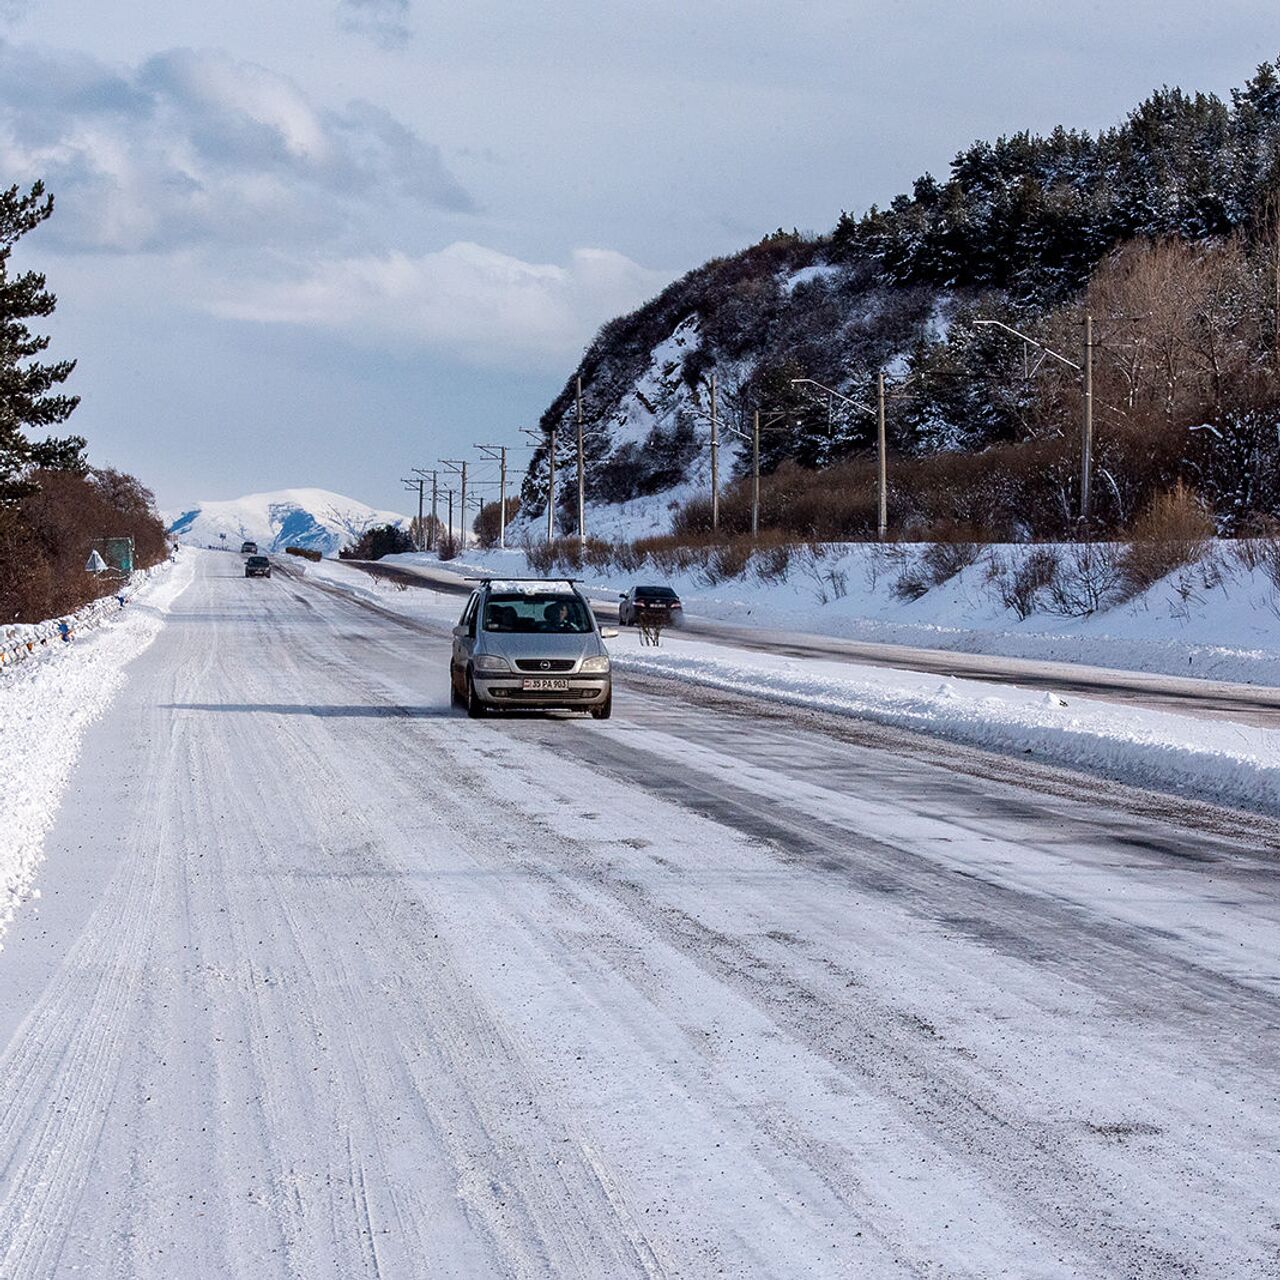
257	567
248	548
660	601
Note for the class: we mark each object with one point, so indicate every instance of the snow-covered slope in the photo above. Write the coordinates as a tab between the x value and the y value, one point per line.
313	518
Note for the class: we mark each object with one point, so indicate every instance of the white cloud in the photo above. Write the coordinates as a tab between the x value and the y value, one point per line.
383	21
470	301
194	146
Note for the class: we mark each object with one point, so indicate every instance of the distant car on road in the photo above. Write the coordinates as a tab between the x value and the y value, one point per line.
656	600
257	567
530	643
248	548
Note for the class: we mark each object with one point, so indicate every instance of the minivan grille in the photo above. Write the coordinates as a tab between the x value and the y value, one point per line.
545	664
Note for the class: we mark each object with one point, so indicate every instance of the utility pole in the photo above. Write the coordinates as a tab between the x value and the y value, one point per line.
715	460
502	501
551	488
1085	371
431	528
882	463
451	517
498	452
459	467
1086	443
755	474
582	505
411	485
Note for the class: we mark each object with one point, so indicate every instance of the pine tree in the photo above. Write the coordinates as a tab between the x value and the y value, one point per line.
27	386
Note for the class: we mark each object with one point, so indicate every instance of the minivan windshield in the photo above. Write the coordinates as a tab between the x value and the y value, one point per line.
537	612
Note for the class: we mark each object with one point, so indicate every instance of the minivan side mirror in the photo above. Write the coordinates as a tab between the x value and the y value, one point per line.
461	631
608	633
622	595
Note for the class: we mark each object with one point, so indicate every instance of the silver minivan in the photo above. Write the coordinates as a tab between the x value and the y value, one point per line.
526	642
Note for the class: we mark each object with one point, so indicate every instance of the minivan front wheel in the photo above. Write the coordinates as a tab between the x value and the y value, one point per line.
605	709
475	708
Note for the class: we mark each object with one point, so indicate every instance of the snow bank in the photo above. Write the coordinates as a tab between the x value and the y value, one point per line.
45	708
1219	760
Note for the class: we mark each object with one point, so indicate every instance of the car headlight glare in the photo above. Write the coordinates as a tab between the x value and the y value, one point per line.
490	662
595	665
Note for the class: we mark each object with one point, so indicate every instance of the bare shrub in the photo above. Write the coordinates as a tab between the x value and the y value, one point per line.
1088	582
569	554
488	523
826	581
628	557
1021	586
941	561
1259	550
448	549
884	558
773	563
673	554
1172	532
541	556
599	554
913	580
727	561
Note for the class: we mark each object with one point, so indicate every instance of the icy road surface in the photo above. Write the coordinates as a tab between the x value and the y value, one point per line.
327	981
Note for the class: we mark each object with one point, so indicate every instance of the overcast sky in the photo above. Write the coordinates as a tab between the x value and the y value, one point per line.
315	242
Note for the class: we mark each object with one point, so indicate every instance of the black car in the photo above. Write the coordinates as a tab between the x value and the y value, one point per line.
257	567
660	601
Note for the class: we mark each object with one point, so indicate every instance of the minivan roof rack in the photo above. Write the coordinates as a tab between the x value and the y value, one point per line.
506	577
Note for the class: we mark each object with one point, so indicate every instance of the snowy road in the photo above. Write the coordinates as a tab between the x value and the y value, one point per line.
1248	704
327	981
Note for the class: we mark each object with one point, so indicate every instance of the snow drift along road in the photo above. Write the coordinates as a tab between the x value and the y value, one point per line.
45	708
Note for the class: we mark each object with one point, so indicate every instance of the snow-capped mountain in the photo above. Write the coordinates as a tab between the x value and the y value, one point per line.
312	518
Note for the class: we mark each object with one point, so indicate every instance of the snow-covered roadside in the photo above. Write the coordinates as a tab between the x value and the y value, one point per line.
1216	760
1222	624
45	708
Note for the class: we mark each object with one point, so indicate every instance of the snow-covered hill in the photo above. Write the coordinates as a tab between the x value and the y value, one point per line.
313	518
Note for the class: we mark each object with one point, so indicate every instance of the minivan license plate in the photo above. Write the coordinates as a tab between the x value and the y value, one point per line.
553	686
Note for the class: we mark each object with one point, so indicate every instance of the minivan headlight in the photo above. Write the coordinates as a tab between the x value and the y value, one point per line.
598	664
490	662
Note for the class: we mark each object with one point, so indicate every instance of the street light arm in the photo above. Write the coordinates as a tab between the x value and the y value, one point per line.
1049	351
831	391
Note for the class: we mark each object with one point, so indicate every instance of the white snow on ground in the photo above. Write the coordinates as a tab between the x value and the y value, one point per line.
1218	760
332	982
806	275
1229	630
45	708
